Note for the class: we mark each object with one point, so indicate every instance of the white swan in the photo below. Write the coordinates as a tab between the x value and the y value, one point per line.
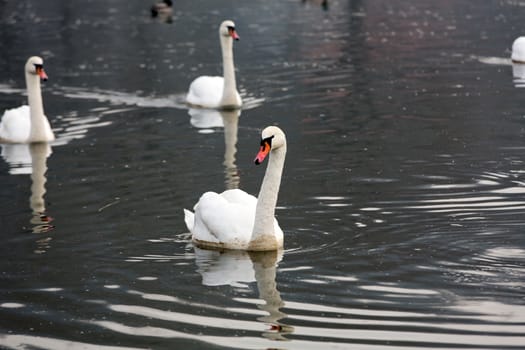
518	50
28	124
218	92
236	220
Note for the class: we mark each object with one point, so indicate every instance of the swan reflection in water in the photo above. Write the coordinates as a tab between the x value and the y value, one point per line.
207	120
231	267
32	159
518	72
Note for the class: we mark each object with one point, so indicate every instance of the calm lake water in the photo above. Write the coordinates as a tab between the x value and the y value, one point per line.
402	200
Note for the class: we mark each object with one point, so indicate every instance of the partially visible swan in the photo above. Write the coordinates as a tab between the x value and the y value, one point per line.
518	50
218	92
27	124
236	220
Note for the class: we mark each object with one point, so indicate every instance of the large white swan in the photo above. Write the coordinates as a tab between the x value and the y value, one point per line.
218	92
236	220
28	124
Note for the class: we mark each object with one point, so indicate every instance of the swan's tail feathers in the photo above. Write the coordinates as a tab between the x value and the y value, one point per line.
189	219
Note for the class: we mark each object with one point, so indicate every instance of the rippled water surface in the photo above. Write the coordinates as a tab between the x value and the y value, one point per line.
402	200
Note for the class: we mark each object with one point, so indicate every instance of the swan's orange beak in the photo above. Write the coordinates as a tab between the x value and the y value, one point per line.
233	33
263	152
41	73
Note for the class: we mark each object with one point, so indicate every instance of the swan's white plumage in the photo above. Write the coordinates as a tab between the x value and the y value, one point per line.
518	50
235	219
16	125
225	218
206	91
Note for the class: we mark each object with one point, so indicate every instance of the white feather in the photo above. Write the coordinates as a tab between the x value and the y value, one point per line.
16	125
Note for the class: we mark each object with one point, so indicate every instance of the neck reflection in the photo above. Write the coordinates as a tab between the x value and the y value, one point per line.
207	120
40	220
31	159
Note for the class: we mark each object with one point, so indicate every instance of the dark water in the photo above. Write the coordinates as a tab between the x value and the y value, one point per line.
402	199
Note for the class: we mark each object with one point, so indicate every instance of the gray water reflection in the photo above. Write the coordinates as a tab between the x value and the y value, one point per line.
518	72
41	221
31	159
234	267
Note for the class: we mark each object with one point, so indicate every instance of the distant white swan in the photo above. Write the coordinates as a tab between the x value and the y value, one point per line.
236	220
218	92
28	124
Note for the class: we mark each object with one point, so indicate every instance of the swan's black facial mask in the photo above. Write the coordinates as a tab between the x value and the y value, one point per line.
39	70
233	33
266	146
267	140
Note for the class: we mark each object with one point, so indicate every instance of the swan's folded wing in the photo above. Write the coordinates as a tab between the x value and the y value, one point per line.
239	197
218	220
16	125
206	91
189	219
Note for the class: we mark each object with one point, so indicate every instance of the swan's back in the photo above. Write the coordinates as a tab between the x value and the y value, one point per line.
224	220
206	91
16	125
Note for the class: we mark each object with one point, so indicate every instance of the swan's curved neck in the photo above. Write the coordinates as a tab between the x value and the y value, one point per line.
229	92
267	200
36	108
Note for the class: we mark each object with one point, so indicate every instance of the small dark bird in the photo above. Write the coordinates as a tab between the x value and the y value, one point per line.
163	8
